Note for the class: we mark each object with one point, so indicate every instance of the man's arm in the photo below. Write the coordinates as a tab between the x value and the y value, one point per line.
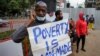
20	33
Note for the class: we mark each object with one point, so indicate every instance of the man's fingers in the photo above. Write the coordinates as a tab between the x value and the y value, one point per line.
32	14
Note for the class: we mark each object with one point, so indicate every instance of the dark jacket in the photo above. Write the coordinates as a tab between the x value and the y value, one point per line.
91	20
20	34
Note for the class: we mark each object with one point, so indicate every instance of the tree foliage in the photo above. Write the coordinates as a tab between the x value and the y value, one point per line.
14	6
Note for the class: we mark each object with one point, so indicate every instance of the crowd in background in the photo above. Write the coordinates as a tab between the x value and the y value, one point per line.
79	30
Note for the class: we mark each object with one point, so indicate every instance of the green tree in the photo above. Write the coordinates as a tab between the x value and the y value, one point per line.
3	6
14	6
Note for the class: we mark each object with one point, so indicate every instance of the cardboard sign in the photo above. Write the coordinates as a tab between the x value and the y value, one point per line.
50	39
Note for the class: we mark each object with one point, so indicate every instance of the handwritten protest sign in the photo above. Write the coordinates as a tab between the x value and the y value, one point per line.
50	39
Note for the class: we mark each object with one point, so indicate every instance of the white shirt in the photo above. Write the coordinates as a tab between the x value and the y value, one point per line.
50	19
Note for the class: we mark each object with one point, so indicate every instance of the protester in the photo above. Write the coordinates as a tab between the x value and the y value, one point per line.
72	30
81	30
59	15
91	22
40	10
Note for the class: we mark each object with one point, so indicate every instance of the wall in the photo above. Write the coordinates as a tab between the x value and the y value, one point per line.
9	48
74	12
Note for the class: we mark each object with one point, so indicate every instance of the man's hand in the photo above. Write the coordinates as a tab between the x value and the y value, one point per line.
31	18
32	14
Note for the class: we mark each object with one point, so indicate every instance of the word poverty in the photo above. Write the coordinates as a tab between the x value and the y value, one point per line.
53	31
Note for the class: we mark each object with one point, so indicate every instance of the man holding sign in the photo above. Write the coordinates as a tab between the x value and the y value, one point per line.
40	10
48	39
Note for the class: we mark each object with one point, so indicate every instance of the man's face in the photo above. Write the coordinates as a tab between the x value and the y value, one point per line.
41	11
60	15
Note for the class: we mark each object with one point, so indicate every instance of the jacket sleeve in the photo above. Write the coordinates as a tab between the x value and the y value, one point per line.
78	28
19	34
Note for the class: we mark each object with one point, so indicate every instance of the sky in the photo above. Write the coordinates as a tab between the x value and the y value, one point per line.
75	2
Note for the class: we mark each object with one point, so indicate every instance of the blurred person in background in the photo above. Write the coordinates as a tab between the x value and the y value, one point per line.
81	31
91	22
59	15
72	30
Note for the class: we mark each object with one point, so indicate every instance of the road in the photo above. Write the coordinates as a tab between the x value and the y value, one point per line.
92	45
16	23
9	48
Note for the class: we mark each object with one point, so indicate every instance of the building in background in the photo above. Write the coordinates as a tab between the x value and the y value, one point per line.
98	4
90	3
60	4
80	5
63	4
